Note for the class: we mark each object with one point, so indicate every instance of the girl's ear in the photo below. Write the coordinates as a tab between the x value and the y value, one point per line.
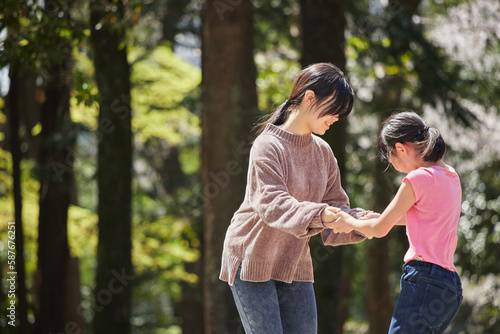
400	148
309	97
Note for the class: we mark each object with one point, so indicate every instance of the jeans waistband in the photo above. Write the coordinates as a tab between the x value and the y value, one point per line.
431	269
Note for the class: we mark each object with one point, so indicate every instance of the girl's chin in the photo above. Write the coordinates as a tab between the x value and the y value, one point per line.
320	132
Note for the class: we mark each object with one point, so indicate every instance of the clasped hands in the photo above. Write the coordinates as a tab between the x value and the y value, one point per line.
340	221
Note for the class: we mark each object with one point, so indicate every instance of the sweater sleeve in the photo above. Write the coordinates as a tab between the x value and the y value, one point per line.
270	199
337	197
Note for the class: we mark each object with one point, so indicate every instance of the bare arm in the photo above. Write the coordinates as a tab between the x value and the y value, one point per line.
379	227
402	221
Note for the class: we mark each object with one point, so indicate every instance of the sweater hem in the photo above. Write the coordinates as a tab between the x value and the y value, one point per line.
252	271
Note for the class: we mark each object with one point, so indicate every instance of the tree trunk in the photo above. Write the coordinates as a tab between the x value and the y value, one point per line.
114	265
323	25
56	181
172	12
190	309
379	301
388	95
12	104
229	104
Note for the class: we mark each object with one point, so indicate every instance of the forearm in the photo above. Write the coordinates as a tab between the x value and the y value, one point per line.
372	227
394	213
301	219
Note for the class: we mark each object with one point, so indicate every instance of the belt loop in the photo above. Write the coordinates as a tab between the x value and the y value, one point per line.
433	270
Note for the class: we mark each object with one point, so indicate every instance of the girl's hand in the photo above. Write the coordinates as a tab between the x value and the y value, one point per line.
369	215
329	215
341	224
337	220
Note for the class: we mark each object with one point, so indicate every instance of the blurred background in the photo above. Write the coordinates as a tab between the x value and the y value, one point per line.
125	132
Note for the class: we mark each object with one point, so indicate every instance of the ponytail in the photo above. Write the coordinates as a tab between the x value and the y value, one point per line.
433	147
278	117
408	127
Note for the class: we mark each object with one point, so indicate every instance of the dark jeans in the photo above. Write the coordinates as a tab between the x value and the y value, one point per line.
429	300
275	307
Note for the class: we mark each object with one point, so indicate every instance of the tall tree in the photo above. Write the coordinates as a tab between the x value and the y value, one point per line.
379	303
11	56
323	25
45	53
388	95
112	74
229	103
56	177
56	174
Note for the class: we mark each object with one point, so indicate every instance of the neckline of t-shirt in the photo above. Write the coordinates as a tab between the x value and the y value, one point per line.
448	169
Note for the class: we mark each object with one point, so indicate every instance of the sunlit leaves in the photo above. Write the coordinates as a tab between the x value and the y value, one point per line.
160	83
162	247
479	226
275	77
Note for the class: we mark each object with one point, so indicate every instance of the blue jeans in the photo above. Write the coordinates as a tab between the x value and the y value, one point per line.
275	307
429	300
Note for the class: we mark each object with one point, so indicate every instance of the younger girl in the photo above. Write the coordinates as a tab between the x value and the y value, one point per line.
293	178
428	201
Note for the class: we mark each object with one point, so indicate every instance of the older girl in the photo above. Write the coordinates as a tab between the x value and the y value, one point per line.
293	178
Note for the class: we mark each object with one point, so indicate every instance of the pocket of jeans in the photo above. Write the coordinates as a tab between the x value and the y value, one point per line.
440	284
410	276
438	305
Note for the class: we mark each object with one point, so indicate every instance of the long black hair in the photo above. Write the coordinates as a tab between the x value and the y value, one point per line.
408	127
332	91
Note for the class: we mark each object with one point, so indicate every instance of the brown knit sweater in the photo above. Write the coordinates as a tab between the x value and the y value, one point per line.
291	179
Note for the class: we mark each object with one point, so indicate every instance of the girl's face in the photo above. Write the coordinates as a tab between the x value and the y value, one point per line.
305	119
403	158
319	125
397	163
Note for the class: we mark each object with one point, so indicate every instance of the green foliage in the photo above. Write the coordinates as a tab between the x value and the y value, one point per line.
479	224
160	83
82	239
275	78
164	236
277	25
30	189
84	88
32	29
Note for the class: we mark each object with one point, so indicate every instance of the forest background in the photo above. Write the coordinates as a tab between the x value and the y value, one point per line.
125	132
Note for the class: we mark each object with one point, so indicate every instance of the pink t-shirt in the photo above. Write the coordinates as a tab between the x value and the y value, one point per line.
431	223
